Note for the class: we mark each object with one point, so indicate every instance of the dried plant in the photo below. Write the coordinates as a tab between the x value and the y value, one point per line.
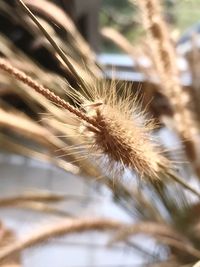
59	229
111	131
193	58
94	129
166	66
118	137
7	237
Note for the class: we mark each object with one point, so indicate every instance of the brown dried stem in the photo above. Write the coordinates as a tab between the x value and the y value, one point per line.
59	229
21	76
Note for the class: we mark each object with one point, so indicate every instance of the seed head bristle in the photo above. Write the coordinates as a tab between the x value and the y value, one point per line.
123	135
110	126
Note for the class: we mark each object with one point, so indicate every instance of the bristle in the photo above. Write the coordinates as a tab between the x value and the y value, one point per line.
111	128
120	134
123	135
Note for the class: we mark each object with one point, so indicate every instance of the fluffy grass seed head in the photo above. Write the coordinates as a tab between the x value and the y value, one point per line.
110	126
122	137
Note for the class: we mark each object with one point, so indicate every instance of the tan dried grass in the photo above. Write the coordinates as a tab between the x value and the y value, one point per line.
116	133
109	127
166	65
58	229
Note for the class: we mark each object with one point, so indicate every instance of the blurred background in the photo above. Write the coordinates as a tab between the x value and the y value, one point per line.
105	38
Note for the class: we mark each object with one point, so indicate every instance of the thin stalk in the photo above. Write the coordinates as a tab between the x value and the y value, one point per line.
21	76
177	179
64	227
54	44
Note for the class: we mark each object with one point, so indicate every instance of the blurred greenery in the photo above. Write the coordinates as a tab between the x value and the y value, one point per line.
187	13
121	15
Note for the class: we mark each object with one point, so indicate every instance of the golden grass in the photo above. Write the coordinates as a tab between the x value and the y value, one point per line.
166	66
111	127
116	133
61	228
102	134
